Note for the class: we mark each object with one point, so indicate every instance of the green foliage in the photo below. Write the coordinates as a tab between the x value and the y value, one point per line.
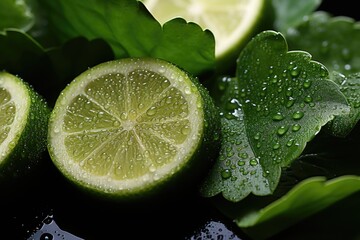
333	41
288	13
350	86
282	100
16	14
132	31
310	196
325	38
282	111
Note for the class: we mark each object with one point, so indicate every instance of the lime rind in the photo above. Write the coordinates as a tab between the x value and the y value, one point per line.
25	114
15	105
99	155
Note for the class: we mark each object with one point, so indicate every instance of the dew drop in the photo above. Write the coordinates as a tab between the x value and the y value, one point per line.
278	117
294	72
243	155
282	130
357	104
290	142
266	173
307	83
140	106
162	69
271	69
116	123
290	102
152	168
151	111
253	162
289	92
46	236
241	163
296	127
185	130
276	146
226	173
257	136
100	114
308	99
297	115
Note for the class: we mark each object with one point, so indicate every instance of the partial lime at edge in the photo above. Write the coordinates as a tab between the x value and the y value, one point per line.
130	127
233	22
23	127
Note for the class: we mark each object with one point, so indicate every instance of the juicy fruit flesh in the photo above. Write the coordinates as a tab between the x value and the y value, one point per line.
7	114
128	137
126	128
14	107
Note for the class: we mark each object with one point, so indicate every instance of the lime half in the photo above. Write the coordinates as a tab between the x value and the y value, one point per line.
129	126
231	21
23	126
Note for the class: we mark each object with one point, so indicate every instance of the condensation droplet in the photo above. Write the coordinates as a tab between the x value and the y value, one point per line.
151	111
296	127
282	130
226	173
297	115
253	162
278	117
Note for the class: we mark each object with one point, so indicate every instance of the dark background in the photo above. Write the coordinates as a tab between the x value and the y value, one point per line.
25	207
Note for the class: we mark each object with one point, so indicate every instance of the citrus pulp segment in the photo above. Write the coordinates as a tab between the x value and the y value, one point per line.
23	126
231	21
126	126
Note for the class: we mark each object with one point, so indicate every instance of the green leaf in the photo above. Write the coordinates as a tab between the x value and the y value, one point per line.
350	87
49	70
282	99
235	153
308	197
338	221
333	41
16	14
289	13
19	52
132	31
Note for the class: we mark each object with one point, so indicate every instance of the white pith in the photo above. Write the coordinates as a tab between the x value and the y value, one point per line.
21	98
105	182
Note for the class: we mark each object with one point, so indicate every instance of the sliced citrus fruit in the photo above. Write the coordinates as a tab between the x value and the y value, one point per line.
231	21
126	127
23	126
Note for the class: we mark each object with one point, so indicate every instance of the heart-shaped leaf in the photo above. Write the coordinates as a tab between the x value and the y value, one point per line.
334	42
235	152
282	100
